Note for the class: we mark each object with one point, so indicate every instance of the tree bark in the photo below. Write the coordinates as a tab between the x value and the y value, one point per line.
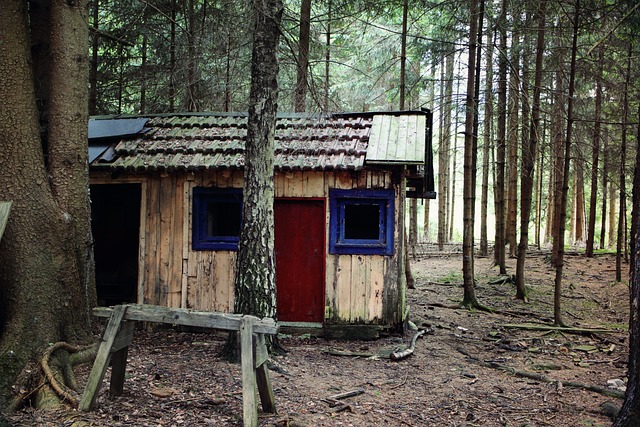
46	266
528	158
300	95
255	287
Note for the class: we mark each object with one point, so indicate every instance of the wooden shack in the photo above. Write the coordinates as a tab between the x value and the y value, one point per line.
166	195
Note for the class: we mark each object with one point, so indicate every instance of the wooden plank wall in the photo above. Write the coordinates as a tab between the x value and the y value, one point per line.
359	288
356	284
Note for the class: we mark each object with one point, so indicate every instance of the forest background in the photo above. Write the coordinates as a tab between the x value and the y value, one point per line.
194	55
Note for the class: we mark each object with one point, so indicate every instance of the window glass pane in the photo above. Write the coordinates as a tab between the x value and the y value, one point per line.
362	221
223	218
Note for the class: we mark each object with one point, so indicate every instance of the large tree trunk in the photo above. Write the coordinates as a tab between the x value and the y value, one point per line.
300	97
629	415
255	287
46	269
528	159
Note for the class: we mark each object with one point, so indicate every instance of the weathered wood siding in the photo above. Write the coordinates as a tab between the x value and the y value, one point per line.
358	288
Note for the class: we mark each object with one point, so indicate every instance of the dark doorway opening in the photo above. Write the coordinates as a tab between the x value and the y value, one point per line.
115	223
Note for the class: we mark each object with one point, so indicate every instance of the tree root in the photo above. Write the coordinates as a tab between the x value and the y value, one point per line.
543	378
57	383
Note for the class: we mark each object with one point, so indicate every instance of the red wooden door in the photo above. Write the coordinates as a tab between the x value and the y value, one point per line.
300	259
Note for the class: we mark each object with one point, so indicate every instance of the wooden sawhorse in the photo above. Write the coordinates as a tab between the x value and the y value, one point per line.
118	336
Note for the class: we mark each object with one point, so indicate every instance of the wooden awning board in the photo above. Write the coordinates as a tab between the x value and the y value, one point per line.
5	208
397	139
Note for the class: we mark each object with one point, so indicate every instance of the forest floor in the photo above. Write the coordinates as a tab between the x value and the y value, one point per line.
176	378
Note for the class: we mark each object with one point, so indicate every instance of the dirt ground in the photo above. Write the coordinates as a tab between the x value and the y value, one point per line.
448	381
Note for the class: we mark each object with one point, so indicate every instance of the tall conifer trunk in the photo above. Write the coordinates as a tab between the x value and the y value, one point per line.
528	158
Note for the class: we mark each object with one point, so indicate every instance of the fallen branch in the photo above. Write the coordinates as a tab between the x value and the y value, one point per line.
335	400
399	355
348	353
347	394
550	328
543	378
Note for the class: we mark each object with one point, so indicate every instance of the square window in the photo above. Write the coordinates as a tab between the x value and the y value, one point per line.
217	218
361	222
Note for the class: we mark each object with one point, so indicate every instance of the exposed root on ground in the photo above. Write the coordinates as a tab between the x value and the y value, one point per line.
55	384
542	378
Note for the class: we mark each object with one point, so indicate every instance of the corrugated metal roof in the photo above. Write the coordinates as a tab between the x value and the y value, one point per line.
303	142
397	139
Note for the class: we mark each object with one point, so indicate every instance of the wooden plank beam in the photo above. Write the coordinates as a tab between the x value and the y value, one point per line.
102	360
185	317
249	384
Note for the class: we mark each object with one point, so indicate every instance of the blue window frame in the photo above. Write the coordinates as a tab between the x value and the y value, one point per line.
217	218
362	222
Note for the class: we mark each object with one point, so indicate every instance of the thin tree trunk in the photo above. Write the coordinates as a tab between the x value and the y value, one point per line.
143	77
578	190
528	158
444	155
538	194
612	210
469	298
605	192
93	70
327	57
500	254
557	313
623	157
227	76
172	60
512	144
595	158
192	63
300	94
559	158
487	137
